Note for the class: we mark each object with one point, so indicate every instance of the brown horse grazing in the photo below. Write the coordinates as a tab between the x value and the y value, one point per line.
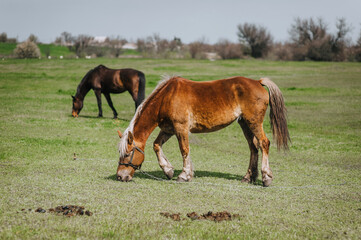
180	106
104	80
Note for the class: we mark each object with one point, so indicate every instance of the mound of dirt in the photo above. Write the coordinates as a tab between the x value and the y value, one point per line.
212	216
174	216
217	216
67	210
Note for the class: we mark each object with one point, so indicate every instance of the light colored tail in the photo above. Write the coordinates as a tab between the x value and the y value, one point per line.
278	114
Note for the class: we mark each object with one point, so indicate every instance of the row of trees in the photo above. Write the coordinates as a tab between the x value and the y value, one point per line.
309	39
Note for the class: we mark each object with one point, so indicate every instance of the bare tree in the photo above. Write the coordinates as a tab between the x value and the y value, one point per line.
312	41
257	38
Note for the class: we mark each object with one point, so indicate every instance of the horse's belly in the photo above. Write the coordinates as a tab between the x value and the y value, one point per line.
210	122
204	128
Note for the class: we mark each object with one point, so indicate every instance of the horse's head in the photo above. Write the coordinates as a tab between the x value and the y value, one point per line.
131	157
77	106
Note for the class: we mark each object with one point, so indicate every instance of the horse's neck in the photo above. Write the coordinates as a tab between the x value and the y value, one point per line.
145	123
82	91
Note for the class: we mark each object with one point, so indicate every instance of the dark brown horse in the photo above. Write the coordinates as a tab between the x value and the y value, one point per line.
104	80
180	106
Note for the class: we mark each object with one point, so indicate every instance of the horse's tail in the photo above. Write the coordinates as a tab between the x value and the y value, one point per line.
278	114
141	89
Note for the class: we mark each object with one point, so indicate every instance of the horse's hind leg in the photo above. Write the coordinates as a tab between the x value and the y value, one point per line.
165	165
263	144
252	172
110	103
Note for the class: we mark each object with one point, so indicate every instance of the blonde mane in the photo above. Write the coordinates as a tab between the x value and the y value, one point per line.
123	143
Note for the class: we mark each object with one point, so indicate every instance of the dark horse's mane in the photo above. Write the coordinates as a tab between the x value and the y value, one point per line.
85	78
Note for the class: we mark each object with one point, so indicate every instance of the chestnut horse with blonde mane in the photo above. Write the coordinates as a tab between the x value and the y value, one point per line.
179	106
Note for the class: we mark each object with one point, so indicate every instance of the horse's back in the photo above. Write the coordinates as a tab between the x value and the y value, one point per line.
210	105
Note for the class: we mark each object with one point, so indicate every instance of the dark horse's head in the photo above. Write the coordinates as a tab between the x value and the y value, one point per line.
77	106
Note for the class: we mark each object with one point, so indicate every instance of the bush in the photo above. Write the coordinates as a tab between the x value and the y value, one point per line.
27	50
228	50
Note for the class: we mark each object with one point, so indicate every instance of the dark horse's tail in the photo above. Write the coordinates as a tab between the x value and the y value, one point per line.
141	89
278	114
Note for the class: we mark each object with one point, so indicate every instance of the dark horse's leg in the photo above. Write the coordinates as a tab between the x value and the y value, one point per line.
252	172
110	103
98	93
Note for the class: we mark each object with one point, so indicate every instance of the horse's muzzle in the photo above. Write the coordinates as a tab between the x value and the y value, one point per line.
124	179
124	175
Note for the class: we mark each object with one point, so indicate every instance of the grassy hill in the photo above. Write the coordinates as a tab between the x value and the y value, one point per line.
7	49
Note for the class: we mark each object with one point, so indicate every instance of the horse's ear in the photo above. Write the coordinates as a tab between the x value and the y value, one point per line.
72	96
120	134
130	138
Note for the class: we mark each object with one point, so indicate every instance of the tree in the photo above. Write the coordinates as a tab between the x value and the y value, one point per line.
33	38
3	37
257	38
312	41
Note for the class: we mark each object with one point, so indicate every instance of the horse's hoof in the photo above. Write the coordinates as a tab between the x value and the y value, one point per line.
267	182
246	180
100	116
179	179
169	173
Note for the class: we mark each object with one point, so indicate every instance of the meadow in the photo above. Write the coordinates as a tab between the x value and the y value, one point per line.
315	193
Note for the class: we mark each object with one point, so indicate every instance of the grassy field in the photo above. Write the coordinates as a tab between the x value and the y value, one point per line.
315	193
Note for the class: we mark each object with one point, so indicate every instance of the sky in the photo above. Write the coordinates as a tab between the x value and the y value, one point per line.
189	20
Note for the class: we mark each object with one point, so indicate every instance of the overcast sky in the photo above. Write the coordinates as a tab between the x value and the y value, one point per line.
189	20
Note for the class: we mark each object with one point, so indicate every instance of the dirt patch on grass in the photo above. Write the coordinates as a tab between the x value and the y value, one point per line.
174	216
66	210
212	216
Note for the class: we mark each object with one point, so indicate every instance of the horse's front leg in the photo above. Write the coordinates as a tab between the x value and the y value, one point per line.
164	164
187	171
98	95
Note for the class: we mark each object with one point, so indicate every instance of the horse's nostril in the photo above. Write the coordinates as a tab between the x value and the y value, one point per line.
126	178
119	178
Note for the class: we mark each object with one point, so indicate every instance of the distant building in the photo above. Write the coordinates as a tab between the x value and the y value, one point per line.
132	46
99	39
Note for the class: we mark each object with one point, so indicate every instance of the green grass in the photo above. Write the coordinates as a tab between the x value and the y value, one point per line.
315	193
54	50
7	48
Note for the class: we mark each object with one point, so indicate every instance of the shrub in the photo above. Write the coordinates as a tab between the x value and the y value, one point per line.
27	50
258	39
